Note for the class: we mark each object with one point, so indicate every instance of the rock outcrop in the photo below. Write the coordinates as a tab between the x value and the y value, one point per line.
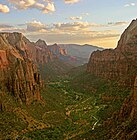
129	107
18	74
57	50
19	59
123	124
119	64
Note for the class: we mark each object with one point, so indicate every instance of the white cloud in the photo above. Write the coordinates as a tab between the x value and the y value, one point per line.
126	5
78	27
4	8
120	23
35	26
46	6
75	18
22	4
133	4
10	28
85	14
68	27
129	4
39	6
49	8
75	26
3	26
71	1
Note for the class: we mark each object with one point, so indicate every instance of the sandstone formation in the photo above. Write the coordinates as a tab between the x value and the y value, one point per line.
119	64
19	60
129	108
123	124
18	75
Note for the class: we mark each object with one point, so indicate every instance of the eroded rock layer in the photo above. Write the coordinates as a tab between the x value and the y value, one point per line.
119	64
18	75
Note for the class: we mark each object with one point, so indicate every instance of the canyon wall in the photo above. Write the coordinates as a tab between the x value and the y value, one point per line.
18	74
119	64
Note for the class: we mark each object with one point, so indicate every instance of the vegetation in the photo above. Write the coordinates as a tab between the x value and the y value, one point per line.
71	108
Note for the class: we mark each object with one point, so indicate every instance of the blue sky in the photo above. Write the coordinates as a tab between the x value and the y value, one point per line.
97	22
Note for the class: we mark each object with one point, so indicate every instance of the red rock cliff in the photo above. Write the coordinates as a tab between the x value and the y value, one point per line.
119	64
18	74
18	71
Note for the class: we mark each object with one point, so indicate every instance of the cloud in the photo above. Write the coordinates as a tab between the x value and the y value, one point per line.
129	4
22	4
74	26
10	28
38	6
85	14
46	6
49	8
75	18
4	8
71	1
63	28
78	27
132	4
120	23
5	26
75	32
35	26
92	37
78	17
70	32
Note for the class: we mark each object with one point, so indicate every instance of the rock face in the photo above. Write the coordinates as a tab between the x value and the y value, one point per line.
129	108
57	50
38	52
46	53
18	74
123	124
119	64
134	108
18	60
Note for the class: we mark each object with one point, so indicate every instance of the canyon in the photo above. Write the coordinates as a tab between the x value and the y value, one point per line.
97	100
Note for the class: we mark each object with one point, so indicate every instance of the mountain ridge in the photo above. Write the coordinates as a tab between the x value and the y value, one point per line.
82	51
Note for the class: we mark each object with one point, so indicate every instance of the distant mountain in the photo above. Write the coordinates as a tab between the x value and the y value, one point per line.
80	51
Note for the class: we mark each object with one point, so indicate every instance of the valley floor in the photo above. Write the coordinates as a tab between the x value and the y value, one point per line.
70	109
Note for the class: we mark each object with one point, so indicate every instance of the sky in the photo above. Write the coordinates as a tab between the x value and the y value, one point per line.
95	22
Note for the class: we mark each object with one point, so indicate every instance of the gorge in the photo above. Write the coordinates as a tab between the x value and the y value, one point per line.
97	100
